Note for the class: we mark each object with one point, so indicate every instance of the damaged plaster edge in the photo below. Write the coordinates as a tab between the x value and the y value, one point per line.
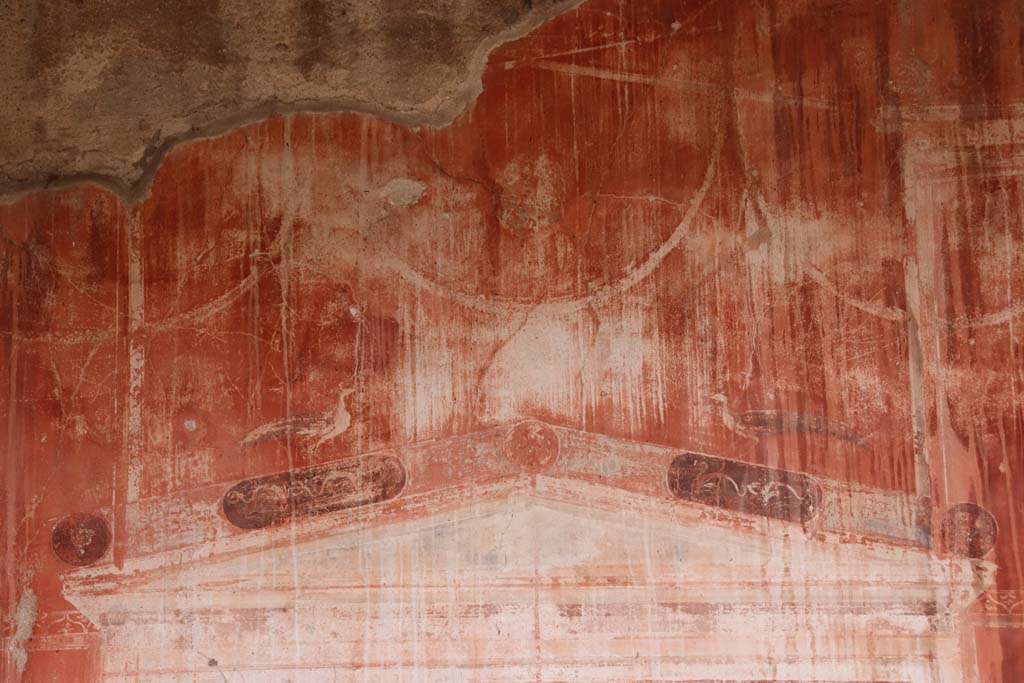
136	188
24	622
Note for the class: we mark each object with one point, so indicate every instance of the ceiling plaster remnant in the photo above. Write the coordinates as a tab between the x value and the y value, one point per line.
100	93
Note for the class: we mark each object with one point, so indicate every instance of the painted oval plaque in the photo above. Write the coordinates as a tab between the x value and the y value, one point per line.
742	487
311	491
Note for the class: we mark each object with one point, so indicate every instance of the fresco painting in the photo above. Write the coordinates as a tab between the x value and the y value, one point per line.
689	351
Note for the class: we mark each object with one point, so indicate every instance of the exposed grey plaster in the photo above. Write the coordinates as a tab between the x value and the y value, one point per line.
24	623
403	191
100	91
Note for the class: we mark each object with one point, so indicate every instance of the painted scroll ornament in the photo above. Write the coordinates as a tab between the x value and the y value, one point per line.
742	487
318	490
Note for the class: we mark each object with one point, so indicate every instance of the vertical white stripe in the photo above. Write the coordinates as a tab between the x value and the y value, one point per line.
136	355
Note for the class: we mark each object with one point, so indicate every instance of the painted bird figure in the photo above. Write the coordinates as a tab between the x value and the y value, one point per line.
757	424
321	426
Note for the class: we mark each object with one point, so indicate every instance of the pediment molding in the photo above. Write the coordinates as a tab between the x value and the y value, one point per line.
536	532
521	550
591	474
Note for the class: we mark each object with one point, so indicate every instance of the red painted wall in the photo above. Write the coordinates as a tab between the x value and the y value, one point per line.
786	233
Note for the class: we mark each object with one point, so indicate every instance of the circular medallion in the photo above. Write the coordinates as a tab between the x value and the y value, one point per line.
969	530
532	445
80	539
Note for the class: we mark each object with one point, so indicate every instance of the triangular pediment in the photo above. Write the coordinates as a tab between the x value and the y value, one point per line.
529	570
537	536
532	533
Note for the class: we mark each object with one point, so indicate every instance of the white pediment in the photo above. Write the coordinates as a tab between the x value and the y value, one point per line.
565	557
536	536
550	581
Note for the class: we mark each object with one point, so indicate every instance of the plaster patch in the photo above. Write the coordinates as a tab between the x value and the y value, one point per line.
24	622
403	191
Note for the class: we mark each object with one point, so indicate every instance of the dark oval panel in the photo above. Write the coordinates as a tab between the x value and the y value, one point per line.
80	539
311	491
743	487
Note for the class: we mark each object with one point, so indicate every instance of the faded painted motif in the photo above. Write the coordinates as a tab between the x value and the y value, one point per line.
277	498
744	488
689	351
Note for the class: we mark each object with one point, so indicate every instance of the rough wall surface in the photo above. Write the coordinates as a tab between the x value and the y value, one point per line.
684	345
101	90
